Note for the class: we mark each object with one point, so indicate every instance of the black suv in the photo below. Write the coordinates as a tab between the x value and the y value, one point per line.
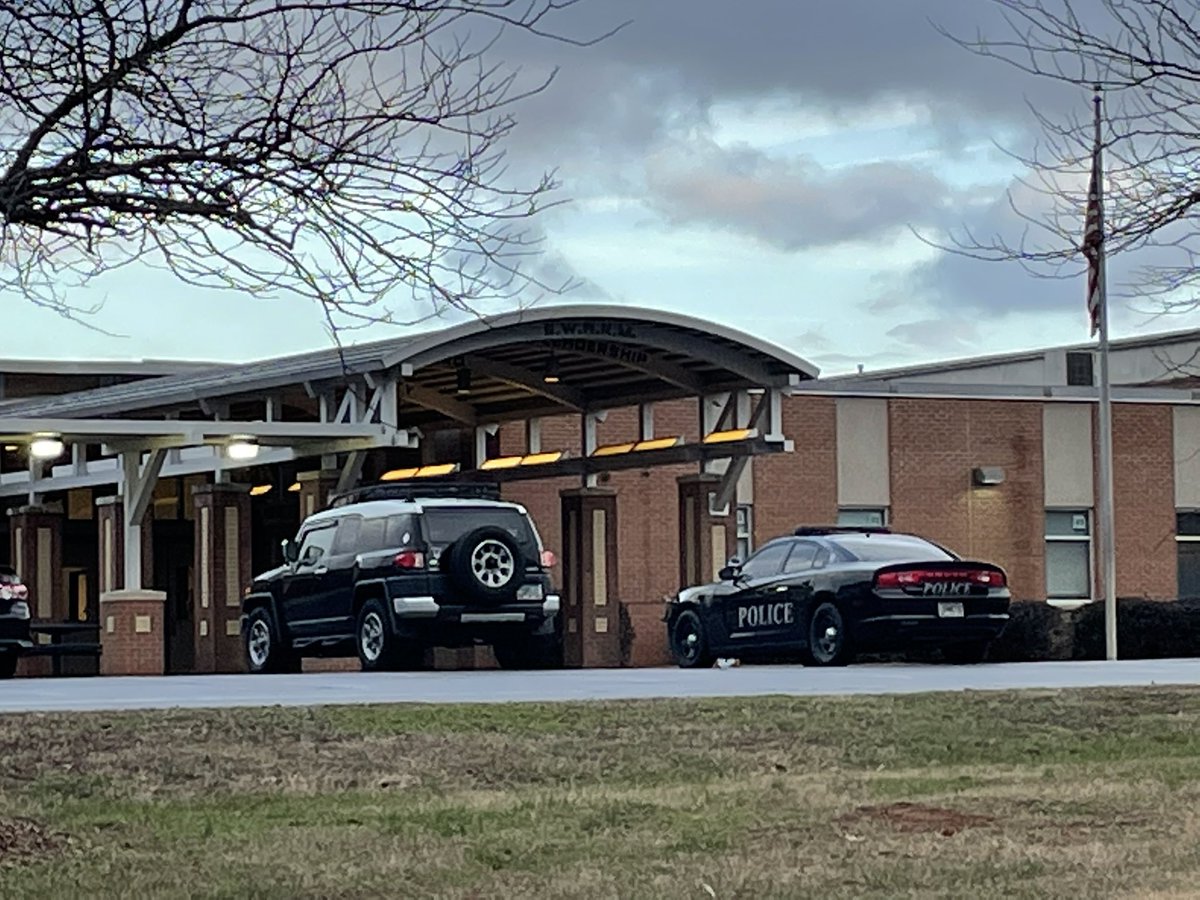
14	621
391	570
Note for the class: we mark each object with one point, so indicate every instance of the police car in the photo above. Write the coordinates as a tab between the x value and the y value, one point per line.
825	594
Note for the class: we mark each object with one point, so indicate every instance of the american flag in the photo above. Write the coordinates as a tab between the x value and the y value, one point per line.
1093	234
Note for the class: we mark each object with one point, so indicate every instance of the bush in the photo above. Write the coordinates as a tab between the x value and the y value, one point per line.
1035	631
1146	629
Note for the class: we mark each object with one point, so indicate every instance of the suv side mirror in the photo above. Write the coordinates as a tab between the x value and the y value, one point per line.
291	551
730	572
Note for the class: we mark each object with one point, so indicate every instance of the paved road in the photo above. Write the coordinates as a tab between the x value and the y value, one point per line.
50	694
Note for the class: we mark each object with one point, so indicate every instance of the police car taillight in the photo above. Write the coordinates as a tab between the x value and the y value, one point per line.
409	559
915	577
549	559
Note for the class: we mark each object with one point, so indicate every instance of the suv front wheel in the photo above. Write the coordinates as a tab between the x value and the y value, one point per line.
380	649
266	650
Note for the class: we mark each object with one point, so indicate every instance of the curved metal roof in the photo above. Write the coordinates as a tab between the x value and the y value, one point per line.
606	355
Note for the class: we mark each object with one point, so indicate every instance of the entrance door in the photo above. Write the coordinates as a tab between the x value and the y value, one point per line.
174	549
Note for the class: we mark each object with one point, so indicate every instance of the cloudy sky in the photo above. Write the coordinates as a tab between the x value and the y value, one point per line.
760	163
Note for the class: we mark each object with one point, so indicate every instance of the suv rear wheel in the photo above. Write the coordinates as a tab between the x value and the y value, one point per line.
380	649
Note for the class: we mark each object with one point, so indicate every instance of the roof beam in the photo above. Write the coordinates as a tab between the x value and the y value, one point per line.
518	376
438	402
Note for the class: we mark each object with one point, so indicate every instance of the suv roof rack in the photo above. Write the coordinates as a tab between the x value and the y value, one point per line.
816	530
417	490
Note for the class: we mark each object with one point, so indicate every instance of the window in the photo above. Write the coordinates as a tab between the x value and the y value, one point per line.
802	558
745	531
371	536
346	539
1187	545
315	544
1068	555
444	525
1079	369
400	532
862	518
767	561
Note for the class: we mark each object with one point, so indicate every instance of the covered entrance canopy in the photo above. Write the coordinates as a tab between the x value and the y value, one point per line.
519	366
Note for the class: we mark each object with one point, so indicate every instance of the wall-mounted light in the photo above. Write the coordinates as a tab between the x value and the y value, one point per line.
294	487
259	489
242	448
11	448
551	375
46	446
987	476
462	383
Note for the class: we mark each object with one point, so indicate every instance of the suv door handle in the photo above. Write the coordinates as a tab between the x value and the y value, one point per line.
320	570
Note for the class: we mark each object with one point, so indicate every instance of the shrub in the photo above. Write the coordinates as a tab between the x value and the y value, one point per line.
1146	629
1035	631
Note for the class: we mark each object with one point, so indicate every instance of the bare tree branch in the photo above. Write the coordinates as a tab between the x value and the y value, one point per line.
344	151
1145	56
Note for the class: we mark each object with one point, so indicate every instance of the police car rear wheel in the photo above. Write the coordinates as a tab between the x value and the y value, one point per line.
828	642
688	642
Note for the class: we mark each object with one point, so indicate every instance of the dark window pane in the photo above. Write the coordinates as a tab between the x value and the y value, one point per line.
346	540
859	518
1079	369
371	535
801	558
401	532
767	561
1187	523
889	548
1189	569
445	525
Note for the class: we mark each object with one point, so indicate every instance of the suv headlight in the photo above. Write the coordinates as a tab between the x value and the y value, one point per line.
530	592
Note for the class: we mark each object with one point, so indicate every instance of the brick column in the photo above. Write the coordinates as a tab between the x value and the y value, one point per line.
110	521
223	572
132	636
37	534
704	539
315	488
591	619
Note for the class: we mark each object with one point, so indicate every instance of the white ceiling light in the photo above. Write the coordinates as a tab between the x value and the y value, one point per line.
46	446
242	448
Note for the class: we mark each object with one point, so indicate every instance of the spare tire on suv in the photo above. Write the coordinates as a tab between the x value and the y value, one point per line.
485	564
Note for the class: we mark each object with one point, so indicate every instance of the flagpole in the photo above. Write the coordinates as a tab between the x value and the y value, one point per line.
1108	552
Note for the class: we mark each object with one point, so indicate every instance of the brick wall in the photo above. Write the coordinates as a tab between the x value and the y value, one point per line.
934	446
131	634
799	488
1144	501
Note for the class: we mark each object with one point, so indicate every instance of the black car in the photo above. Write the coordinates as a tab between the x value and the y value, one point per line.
829	593
390	571
14	621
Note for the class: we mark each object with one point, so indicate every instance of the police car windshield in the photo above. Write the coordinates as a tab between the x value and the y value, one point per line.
446	525
890	548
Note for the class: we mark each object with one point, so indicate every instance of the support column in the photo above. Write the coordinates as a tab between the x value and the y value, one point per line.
591	614
315	489
223	571
704	539
110	519
36	535
133	637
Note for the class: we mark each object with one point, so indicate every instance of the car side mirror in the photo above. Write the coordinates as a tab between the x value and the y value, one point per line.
291	552
729	573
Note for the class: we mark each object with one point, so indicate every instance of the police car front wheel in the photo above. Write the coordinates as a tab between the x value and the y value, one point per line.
689	643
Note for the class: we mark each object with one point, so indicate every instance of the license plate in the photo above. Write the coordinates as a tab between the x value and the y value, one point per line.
950	610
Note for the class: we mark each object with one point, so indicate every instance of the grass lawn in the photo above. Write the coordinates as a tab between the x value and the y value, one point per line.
1077	794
